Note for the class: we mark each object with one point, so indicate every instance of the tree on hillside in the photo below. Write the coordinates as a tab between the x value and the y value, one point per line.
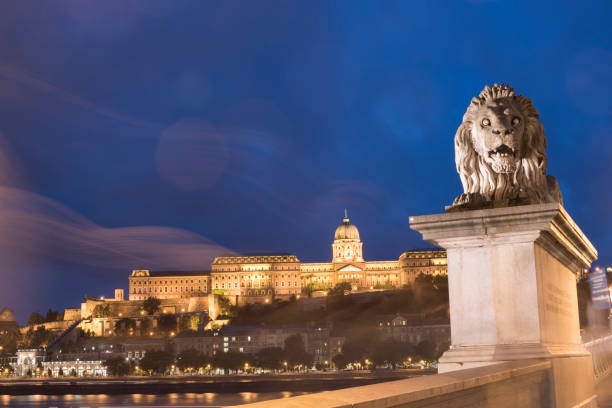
166	323
357	348
156	362
8	341
151	305
426	350
6	368
340	361
230	360
53	316
125	326
270	358
190	359
390	352
145	327
225	307
295	352
117	366
102	310
340	289
40	337
190	322
35	318
312	287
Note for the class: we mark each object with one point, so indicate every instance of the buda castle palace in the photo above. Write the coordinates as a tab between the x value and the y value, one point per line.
258	278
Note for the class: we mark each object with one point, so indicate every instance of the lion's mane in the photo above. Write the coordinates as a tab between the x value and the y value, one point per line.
529	179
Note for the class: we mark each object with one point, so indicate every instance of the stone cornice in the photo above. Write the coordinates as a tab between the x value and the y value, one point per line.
547	224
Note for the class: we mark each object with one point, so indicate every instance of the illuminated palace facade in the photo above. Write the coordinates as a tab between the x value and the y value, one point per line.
283	275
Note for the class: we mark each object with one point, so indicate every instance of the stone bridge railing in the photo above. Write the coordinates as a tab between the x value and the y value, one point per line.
601	350
523	383
526	384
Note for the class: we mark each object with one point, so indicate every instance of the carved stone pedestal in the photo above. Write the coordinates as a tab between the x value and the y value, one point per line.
512	290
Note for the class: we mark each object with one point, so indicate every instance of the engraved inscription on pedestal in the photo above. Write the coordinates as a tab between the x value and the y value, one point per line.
557	301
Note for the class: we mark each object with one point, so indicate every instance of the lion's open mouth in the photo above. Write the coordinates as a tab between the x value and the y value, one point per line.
502	151
503	159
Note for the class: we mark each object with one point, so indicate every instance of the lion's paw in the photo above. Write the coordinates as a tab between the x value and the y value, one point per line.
468	198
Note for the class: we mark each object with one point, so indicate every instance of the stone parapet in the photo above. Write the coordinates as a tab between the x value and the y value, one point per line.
523	384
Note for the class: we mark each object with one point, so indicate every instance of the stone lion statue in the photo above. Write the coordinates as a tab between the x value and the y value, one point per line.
500	153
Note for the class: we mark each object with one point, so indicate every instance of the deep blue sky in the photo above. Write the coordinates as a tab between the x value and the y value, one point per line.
249	127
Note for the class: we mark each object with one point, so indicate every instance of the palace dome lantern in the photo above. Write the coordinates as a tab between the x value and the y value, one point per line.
346	230
347	246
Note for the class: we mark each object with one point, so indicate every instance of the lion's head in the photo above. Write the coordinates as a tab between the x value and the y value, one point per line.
500	149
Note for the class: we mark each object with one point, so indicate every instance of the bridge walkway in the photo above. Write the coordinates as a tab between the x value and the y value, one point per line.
604	392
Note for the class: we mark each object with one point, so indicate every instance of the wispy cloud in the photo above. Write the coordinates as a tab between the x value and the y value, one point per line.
17	74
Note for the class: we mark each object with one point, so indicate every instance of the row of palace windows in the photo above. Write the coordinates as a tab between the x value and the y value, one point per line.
239	268
165	289
242	285
156	282
235	277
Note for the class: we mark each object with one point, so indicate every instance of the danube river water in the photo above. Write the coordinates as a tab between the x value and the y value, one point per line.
208	399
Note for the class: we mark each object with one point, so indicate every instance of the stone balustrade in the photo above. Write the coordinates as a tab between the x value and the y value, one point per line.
525	383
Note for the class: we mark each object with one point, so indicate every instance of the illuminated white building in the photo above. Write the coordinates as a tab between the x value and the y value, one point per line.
283	275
